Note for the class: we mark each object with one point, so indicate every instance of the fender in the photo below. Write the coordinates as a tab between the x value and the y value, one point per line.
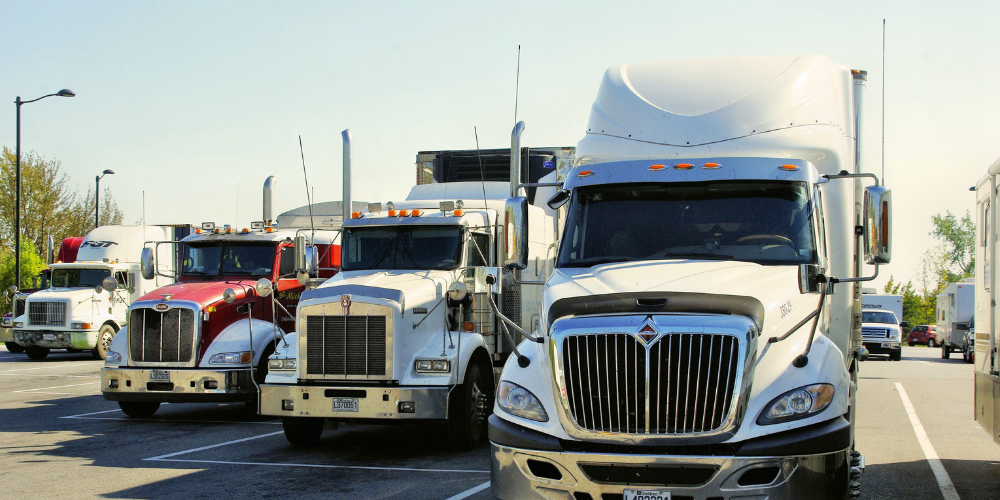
119	344
292	351
236	338
470	342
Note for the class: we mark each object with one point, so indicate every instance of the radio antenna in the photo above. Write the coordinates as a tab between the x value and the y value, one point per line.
517	82
236	222
883	101
308	197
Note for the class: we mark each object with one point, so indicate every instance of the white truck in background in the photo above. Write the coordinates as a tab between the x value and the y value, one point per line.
986	343
882	324
413	327
86	302
700	336
956	308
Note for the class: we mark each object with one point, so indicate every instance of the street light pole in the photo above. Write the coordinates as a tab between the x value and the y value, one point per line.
17	197
97	197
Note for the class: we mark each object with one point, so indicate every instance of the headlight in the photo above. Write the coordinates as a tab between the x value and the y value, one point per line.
432	366
6	322
519	401
230	358
112	358
80	326
19	324
796	404
281	364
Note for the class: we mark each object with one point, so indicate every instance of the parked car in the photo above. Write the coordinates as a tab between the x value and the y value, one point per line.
924	334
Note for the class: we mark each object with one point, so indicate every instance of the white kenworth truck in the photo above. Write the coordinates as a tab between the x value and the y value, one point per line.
700	336
86	302
986	341
412	327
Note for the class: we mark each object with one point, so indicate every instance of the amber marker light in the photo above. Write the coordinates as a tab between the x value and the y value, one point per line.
404	213
270	230
245	231
683	166
711	165
416	213
392	213
245	357
197	231
789	167
458	212
468	326
355	215
585	173
656	167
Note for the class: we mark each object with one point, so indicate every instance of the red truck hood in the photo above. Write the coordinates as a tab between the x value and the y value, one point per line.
202	292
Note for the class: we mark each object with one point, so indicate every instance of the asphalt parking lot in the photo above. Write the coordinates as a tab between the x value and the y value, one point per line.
61	439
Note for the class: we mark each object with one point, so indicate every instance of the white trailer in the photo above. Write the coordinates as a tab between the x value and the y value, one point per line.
985	353
956	307
700	335
86	302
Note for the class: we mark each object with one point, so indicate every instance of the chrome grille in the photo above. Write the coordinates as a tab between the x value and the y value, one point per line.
47	313
683	383
875	333
346	345
162	337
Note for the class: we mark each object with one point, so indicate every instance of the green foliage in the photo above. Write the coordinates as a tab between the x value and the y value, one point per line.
916	308
31	265
956	254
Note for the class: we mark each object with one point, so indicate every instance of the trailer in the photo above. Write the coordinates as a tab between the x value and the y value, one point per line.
956	306
985	354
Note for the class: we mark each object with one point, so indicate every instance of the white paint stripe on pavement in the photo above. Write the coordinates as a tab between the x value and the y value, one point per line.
91	413
924	362
469	492
227	443
49	367
316	466
128	419
56	387
941	475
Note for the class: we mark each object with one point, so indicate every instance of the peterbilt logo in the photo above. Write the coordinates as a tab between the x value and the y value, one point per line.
345	304
648	333
161	307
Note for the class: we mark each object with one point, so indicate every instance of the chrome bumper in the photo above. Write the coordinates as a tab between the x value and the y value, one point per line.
373	402
185	386
77	339
816	477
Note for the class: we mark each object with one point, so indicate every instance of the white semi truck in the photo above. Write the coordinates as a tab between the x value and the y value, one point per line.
413	325
986	341
700	336
882	324
86	302
956	306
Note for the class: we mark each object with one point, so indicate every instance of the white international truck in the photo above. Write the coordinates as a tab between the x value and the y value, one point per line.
86	302
882	324
986	341
413	326
700	336
956	308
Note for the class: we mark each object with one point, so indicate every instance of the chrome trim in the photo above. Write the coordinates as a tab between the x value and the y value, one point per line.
51	313
188	385
333	308
196	337
379	402
743	330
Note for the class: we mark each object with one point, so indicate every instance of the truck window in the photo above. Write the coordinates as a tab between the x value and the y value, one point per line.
479	247
768	222
228	259
78	278
886	317
122	278
426	247
287	266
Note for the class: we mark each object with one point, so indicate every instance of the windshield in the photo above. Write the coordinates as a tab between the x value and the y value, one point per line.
767	222
228	259
886	317
411	247
78	278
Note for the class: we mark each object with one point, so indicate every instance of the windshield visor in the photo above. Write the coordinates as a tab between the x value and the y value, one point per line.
878	317
413	247
78	278
767	222
222	259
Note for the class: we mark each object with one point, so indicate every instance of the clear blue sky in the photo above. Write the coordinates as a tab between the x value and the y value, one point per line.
187	100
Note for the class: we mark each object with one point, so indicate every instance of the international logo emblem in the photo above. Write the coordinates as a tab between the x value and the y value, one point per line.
345	304
648	333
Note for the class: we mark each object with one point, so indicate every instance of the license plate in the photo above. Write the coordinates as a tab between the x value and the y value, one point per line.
49	336
345	404
631	494
159	376
885	345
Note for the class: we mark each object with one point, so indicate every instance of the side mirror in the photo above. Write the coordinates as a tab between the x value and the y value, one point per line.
457	291
229	295
904	325
516	231
262	287
808	282
559	199
109	283
878	225
306	260
146	264
962	326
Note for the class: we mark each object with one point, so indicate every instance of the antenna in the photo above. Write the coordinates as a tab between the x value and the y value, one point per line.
883	101
482	176
308	197
236	222
517	82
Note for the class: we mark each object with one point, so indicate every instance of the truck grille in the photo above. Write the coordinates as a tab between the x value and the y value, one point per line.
47	313
875	333
161	337
684	383
345	345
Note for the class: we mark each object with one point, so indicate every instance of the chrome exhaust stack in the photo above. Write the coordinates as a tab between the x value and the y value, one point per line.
269	201
346	135
515	158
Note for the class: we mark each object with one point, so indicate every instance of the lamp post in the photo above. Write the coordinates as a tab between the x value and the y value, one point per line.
17	202
97	197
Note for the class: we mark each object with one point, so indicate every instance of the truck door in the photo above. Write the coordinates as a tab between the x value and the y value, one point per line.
288	288
120	297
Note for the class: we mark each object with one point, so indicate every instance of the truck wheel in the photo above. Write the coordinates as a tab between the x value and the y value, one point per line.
104	337
945	351
139	409
931	343
467	411
967	354
303	431
14	347
909	344
35	352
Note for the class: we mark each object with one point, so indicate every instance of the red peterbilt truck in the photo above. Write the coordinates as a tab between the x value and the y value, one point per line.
207	337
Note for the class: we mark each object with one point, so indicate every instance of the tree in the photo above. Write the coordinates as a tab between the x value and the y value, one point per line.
916	310
958	243
31	265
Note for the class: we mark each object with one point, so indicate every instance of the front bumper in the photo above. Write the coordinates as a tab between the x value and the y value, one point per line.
6	334
429	403
55	339
881	347
185	385
529	465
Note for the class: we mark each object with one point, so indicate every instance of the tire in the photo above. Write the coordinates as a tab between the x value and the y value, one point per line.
931	343
139	409
896	356
967	354
467	411
945	351
302	431
909	344
35	352
14	347
104	337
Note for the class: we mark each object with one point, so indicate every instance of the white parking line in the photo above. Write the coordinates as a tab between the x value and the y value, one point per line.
49	367
91	413
924	362
128	419
469	492
56	387
941	475
169	458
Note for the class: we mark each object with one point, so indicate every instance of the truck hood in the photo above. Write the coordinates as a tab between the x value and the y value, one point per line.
417	288
204	293
74	295
775	287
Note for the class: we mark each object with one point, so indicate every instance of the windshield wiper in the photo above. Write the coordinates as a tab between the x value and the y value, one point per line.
384	254
699	255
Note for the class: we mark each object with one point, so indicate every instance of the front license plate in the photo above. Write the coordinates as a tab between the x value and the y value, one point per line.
630	494
345	404
885	345
49	336
159	376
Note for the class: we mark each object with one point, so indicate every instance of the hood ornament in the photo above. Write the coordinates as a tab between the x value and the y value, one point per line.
345	304
648	333
166	296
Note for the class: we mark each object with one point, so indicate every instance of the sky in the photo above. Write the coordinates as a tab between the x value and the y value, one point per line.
195	103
